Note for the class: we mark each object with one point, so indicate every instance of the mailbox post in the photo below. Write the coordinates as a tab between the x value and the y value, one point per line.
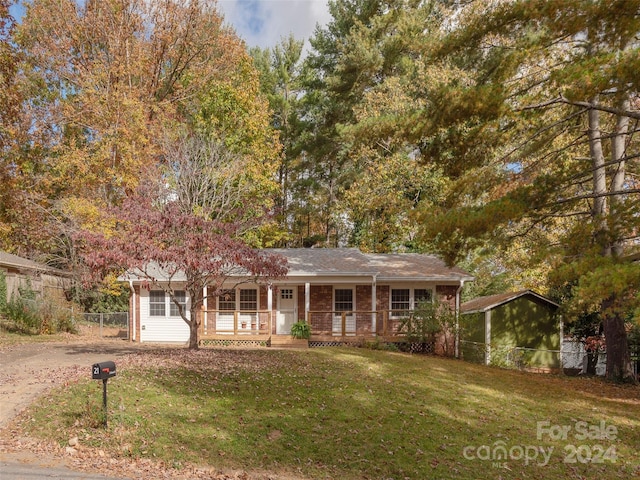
103	371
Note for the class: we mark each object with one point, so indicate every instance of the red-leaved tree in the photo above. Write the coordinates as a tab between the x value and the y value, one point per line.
174	250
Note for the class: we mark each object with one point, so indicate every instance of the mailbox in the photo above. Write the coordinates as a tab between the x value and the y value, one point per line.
103	370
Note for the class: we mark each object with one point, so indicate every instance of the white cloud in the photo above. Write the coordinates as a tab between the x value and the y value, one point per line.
263	23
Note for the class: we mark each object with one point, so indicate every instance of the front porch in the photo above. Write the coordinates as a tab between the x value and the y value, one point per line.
327	327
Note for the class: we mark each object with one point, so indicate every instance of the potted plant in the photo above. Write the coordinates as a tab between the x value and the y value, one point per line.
301	330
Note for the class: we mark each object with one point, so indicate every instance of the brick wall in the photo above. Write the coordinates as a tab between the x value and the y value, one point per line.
363	304
321	301
447	293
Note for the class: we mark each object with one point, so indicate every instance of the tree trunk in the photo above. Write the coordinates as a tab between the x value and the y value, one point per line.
618	152
599	208
619	367
194	327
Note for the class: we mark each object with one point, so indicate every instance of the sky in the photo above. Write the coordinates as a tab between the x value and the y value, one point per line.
262	23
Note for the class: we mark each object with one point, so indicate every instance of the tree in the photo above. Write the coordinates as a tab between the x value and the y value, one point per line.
546	92
280	81
102	83
359	81
171	249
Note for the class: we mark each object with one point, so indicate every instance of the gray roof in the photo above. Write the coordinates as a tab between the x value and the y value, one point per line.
20	263
384	266
350	262
482	304
410	266
325	261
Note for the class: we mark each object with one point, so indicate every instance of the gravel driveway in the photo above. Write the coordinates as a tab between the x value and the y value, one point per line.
26	371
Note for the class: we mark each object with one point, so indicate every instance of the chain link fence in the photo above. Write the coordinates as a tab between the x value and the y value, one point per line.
520	358
107	325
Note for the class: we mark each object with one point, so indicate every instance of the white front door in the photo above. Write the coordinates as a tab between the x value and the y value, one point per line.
287	303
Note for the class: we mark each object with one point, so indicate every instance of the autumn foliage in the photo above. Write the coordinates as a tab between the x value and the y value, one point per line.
170	249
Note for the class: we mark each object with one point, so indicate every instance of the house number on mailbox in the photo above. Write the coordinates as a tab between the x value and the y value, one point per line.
103	371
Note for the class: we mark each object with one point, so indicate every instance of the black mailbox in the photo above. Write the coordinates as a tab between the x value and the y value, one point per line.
103	370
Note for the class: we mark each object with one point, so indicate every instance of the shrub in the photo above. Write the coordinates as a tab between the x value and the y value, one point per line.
301	329
429	320
22	315
30	314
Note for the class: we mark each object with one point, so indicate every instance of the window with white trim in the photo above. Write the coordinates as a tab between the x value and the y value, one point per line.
157	305
343	300
227	301
286	294
422	295
242	299
400	299
181	297
248	300
405	299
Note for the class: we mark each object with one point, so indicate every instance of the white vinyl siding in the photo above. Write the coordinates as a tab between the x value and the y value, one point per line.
159	319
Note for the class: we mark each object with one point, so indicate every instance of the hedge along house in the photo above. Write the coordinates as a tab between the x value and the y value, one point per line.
518	328
346	296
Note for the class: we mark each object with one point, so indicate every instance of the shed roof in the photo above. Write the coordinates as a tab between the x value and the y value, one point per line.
482	304
20	263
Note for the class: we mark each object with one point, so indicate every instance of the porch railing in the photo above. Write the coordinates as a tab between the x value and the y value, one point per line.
260	323
237	322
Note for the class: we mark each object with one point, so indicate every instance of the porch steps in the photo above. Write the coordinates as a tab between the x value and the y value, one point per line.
286	341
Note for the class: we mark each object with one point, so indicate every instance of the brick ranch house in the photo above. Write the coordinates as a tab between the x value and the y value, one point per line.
345	295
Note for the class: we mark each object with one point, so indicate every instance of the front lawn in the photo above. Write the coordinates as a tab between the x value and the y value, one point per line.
350	414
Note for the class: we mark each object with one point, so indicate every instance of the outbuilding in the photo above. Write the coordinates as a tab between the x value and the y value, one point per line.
520	329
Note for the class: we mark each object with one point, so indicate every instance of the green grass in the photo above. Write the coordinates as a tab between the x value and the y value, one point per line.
346	413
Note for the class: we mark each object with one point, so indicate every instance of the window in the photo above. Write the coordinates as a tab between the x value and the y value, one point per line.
156	303
227	301
344	300
248	300
181	296
421	295
400	299
405	299
286	294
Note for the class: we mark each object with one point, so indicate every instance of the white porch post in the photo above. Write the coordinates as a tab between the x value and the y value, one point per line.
205	303
307	301
133	311
487	336
270	306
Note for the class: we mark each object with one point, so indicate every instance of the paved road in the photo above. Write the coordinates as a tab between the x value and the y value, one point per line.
24	471
26	371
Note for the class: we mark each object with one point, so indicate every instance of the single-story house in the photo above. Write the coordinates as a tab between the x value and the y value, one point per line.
518	328
344	295
20	273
